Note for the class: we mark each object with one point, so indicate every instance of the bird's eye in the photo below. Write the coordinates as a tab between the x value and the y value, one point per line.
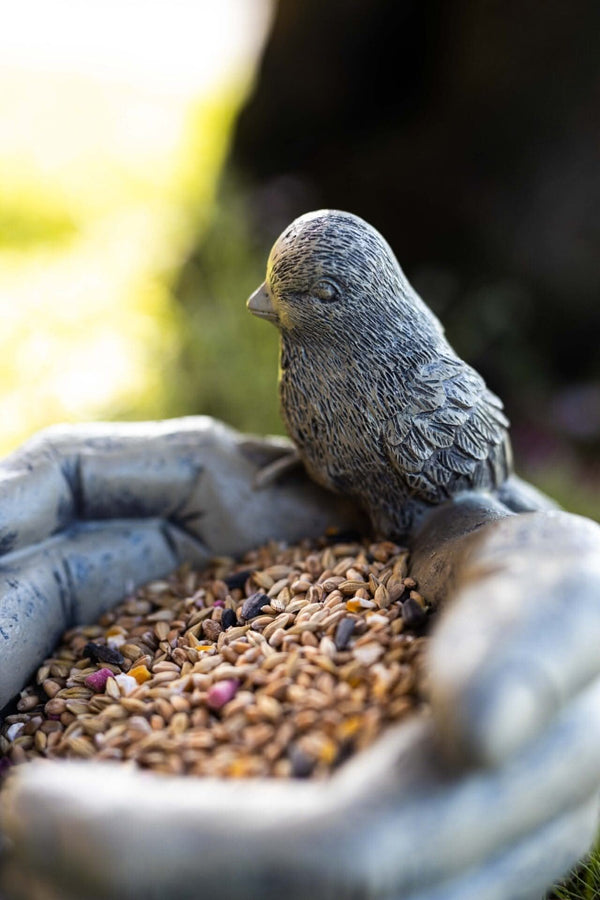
326	290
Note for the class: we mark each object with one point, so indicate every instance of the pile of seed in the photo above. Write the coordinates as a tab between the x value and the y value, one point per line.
282	665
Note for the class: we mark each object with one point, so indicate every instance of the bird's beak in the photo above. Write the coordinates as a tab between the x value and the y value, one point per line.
260	304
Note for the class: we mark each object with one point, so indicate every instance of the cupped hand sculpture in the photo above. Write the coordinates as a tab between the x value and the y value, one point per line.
90	512
490	796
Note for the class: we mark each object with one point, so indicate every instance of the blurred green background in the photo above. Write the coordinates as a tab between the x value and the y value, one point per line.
151	152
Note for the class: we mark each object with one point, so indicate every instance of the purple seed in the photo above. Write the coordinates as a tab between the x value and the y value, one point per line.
97	680
219	603
253	605
221	693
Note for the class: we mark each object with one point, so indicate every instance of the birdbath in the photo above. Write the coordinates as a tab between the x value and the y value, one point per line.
493	793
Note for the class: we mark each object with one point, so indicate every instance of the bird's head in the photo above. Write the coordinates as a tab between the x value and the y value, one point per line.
332	274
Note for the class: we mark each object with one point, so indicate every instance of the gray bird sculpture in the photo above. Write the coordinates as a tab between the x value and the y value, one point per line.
376	400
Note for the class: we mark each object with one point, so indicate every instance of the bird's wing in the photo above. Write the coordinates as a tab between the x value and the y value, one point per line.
451	432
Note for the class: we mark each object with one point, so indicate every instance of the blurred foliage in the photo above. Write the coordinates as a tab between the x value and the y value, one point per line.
103	190
226	364
565	483
583	883
29	217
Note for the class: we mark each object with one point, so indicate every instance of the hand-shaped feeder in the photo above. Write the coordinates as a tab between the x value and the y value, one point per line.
491	795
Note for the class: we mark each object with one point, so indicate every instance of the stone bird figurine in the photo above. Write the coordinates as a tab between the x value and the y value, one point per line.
374	397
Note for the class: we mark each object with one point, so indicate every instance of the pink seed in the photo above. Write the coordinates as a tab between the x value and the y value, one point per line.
219	603
97	680
221	693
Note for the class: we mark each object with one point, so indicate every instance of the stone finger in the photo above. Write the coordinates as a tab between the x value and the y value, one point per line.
199	474
103	470
521	636
471	816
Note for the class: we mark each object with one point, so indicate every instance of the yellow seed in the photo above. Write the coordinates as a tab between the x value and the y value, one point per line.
349	727
114	630
239	768
354	606
328	751
140	673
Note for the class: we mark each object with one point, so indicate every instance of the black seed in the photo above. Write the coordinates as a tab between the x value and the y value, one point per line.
343	632
102	653
302	764
238	579
413	614
254	604
228	618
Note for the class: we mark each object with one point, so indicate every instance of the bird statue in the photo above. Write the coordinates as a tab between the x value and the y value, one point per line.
377	402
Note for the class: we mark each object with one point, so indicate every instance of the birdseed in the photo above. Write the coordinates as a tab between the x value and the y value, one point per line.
281	665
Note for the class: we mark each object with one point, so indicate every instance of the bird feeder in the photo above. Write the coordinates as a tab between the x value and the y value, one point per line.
492	793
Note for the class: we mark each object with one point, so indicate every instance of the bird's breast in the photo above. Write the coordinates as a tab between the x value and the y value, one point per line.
330	420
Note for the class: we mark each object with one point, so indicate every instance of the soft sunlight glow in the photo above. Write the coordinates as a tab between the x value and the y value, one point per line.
114	122
181	46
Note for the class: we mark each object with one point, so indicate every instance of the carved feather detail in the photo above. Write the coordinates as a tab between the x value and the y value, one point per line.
451	439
